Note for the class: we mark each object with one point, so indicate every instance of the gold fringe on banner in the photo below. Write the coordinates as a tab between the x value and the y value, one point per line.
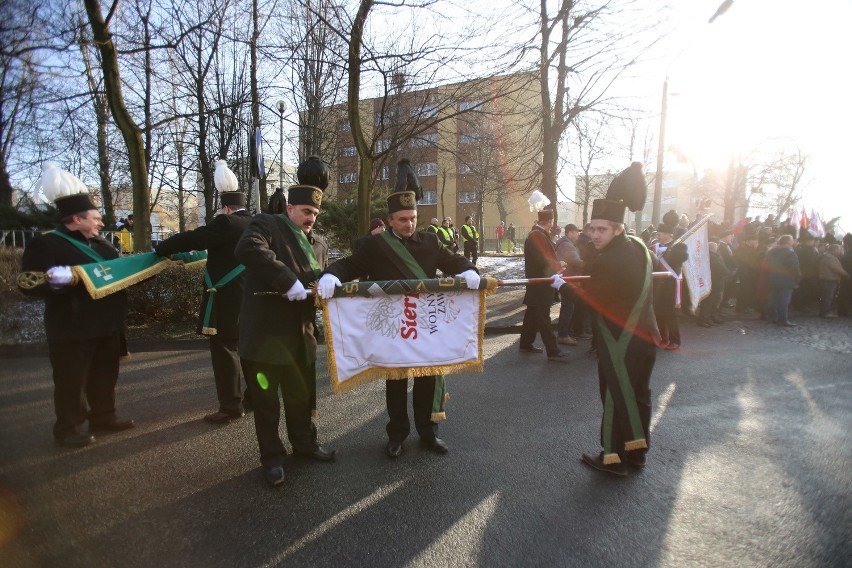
398	373
98	293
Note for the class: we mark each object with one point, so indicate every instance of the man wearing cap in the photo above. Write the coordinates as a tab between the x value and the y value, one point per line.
223	290
567	252
620	292
540	261
470	236
283	255
84	336
403	254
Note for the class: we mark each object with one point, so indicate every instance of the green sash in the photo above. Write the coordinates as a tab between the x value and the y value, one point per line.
617	350
440	396
208	326
110	276
304	244
87	250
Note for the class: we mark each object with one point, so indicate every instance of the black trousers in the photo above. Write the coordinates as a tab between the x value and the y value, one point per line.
227	370
669	328
471	251
537	321
396	397
297	385
84	376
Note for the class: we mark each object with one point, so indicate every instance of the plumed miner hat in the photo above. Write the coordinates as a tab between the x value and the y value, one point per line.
227	186
313	171
68	193
407	180
671	218
627	191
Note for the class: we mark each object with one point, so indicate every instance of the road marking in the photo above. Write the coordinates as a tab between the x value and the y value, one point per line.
662	404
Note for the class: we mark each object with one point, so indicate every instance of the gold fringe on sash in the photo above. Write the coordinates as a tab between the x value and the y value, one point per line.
609	459
209	331
639	444
399	373
438	416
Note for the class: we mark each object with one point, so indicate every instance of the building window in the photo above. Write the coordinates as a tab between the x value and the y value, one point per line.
467	105
468	138
426	111
429	198
383	173
427	169
348	177
345	126
467	197
382	145
347	151
424	140
385	119
464	169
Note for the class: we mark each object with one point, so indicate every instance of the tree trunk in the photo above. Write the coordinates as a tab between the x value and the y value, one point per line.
352	99
6	189
255	99
129	130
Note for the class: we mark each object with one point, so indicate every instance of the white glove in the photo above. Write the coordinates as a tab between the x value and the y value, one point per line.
557	282
471	278
59	276
297	292
326	285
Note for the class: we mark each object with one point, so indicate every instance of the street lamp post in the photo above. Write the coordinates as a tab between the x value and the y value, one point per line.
282	107
661	147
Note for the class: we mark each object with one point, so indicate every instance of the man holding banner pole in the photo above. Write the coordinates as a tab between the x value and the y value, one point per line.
403	254
283	255
223	289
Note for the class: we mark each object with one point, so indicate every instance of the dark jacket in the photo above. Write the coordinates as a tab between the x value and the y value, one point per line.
376	260
783	264
272	328
539	262
70	314
719	273
808	258
218	238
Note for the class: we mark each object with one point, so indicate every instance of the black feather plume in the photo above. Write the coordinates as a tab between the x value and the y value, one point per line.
629	187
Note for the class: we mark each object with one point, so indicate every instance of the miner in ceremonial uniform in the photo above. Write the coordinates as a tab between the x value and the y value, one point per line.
620	291
403	254
223	289
540	262
84	336
283	258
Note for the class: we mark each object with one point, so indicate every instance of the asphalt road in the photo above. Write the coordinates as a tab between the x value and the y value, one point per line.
750	465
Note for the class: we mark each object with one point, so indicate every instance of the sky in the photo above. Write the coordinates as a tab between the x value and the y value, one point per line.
766	69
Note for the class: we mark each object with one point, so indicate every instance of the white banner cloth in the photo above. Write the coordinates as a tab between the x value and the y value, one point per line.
696	270
402	336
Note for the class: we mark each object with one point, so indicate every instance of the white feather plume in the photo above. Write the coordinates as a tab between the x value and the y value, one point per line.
224	178
538	201
57	183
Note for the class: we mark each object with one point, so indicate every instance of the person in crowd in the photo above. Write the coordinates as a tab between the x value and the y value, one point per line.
470	237
445	236
277	202
85	337
844	296
581	324
621	291
831	273
403	254
726	251
539	262
666	308
434	226
807	294
567	252
376	226
784	276
283	255
223	290
748	259
708	310
125	236
510	234
500	232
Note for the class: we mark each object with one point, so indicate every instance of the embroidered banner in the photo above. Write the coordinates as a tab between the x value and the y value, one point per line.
110	276
405	329
696	270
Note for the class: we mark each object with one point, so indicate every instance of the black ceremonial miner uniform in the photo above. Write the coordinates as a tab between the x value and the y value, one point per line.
376	260
83	335
539	262
219	238
277	340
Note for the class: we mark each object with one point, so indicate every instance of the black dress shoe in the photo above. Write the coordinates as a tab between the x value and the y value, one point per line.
635	459
114	426
393	449
76	440
274	476
531	349
220	417
597	463
319	454
559	358
436	445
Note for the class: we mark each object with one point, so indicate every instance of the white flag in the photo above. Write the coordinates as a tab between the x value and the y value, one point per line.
402	336
696	270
